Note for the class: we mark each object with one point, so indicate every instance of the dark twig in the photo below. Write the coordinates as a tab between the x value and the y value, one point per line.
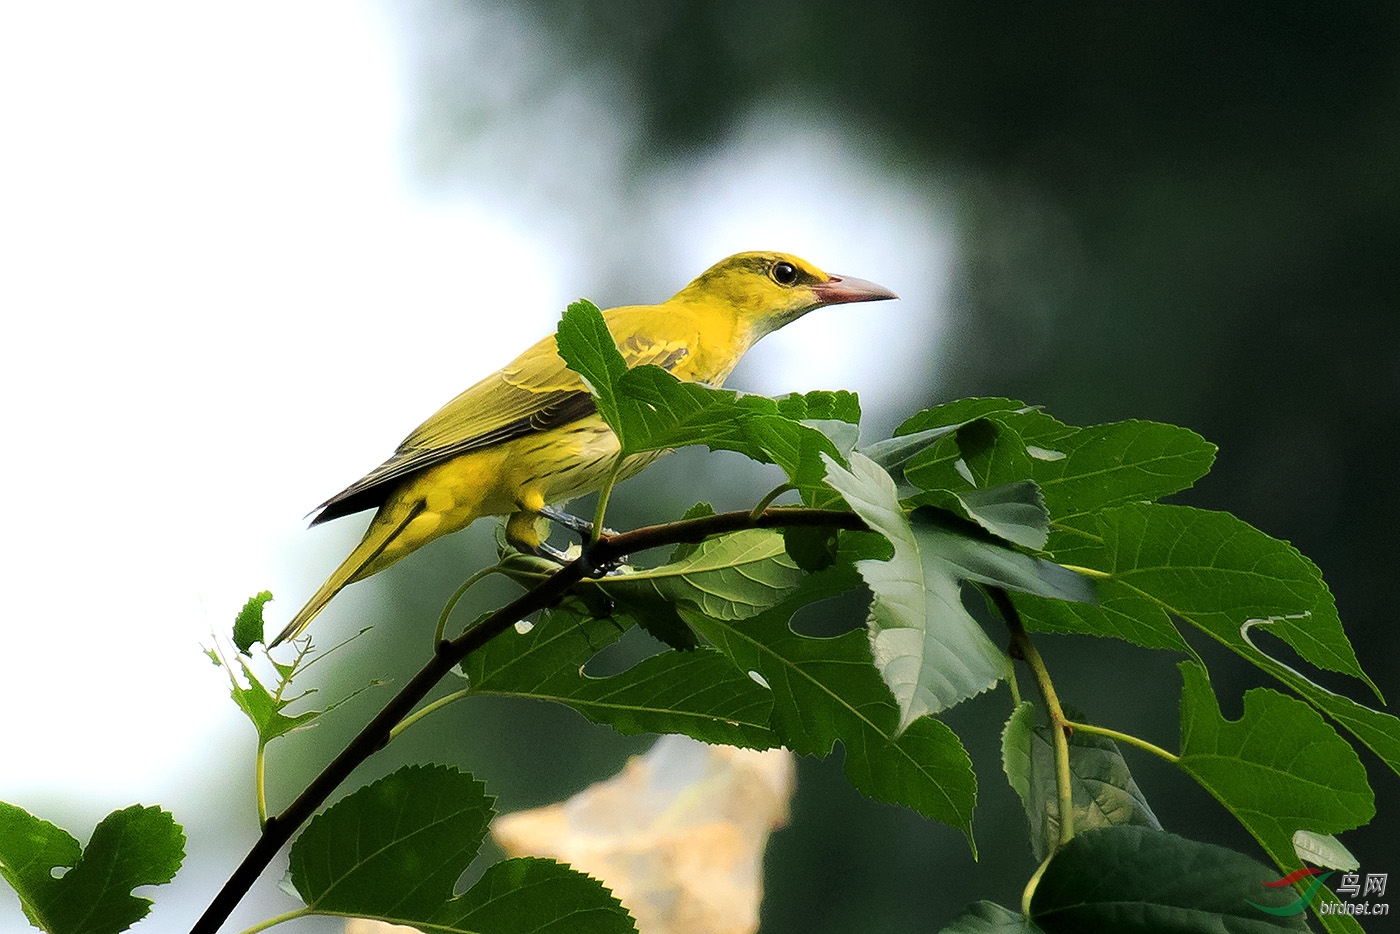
449	653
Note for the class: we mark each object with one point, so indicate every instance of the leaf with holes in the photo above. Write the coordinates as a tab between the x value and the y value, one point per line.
132	847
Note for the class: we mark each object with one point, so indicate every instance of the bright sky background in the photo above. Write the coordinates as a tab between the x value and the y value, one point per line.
209	241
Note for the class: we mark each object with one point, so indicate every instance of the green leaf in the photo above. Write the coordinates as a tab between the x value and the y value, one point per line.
1132	880
1278	769
822	406
928	649
393	851
825	690
395	848
264	706
587	347
1378	731
1016	750
1103	792
956	414
990	918
969	554
728	577
1080	470
532	896
1209	568
992	453
1124	462
248	625
651	410
132	847
685	549
812	548
698	693
1014	512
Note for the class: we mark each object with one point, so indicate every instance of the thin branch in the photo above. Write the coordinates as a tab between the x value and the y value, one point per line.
448	654
1128	738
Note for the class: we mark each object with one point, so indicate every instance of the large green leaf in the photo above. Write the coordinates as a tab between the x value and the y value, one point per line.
928	648
1133	880
1279	768
698	693
393	851
1124	462
395	848
1208	568
825	690
1080	470
129	848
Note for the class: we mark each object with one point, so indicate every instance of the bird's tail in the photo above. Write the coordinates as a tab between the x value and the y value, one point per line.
371	547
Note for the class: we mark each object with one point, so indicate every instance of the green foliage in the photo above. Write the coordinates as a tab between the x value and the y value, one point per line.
1279	768
697	693
825	690
1103	792
393	851
132	847
248	625
1132	879
1058	526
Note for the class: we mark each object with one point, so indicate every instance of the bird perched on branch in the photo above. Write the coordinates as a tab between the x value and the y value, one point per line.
528	435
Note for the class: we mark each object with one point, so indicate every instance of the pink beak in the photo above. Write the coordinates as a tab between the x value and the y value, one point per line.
843	289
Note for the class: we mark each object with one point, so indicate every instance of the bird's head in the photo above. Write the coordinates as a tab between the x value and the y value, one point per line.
768	290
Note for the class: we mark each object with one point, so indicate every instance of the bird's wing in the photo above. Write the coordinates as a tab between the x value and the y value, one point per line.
534	393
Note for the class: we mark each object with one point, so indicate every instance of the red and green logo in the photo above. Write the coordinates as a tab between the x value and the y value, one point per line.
1301	903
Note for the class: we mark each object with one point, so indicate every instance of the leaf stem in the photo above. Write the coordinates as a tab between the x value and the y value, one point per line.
1060	727
278	919
458	594
1124	738
767	500
603	495
1028	892
260	779
448	654
417	715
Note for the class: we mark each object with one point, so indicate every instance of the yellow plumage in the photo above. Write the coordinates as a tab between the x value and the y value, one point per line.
528	435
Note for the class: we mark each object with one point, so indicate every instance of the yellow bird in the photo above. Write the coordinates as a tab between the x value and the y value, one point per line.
528	435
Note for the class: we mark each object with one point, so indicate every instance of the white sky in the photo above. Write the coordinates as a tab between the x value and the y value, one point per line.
208	237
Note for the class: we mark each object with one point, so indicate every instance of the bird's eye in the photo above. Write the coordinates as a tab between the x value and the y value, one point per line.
784	273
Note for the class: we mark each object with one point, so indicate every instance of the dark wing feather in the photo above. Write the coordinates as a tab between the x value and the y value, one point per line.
370	491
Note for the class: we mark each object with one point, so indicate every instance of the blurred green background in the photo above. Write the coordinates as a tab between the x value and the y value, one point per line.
1181	212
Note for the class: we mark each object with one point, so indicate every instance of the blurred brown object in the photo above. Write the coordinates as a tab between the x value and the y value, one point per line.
678	834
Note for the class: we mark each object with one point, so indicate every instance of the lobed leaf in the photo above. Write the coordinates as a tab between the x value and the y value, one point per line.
1209	568
930	651
697	693
1278	769
825	690
133	847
